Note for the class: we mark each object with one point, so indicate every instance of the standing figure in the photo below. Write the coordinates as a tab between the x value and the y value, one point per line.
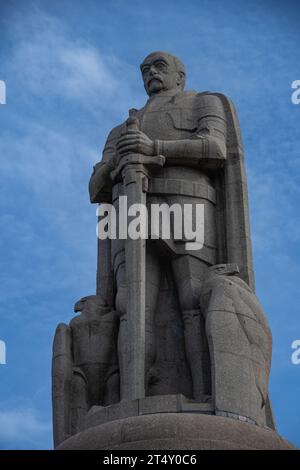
198	136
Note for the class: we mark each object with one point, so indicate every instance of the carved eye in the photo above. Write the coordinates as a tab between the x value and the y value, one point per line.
145	70
160	65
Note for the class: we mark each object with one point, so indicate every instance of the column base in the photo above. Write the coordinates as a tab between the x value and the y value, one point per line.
176	431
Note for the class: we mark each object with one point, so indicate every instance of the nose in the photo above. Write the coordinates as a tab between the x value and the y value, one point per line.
152	70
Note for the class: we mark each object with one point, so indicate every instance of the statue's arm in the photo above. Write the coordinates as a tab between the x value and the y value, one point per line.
206	146
100	185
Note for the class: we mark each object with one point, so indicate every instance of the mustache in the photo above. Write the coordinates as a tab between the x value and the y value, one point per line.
156	77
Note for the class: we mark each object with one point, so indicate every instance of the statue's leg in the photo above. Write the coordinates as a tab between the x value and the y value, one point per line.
112	389
79	404
189	273
152	289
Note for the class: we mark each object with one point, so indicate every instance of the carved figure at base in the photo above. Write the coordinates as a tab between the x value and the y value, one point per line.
85	369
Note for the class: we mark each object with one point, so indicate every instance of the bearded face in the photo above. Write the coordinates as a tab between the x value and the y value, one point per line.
160	73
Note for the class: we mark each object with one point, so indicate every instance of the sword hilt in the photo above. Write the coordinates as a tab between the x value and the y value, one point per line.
132	123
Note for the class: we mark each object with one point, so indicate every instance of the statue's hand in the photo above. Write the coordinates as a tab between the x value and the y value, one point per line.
135	141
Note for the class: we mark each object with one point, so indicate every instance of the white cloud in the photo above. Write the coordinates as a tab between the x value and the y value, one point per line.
87	70
50	62
43	157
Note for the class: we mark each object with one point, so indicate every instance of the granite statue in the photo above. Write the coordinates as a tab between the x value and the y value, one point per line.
85	365
168	321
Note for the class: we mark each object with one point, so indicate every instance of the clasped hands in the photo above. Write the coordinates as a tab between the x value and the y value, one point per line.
135	141
132	142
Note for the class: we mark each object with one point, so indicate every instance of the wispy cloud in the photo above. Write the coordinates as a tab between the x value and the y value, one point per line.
50	62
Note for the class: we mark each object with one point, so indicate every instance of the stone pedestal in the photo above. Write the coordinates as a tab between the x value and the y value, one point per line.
169	423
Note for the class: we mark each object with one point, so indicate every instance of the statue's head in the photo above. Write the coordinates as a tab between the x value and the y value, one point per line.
228	269
91	303
162	71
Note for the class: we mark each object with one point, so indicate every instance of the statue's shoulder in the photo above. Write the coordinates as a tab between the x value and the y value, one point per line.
200	100
185	98
211	99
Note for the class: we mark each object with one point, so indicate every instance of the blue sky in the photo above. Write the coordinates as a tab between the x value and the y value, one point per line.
71	72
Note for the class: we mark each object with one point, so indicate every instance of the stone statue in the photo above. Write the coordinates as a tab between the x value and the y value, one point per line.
240	344
169	322
85	365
